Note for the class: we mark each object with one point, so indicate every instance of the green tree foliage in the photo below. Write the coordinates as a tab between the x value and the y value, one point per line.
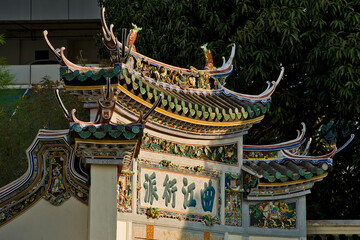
5	76
316	41
21	120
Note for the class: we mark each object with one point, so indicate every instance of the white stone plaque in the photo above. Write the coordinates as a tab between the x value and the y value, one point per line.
178	191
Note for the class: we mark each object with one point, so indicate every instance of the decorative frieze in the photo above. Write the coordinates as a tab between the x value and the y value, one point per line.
273	214
260	155
222	153
233	199
56	191
125	193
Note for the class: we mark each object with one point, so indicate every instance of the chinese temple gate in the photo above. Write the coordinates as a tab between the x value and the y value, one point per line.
162	158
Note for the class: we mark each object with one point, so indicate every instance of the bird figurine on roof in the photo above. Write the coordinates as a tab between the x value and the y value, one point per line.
209	65
132	37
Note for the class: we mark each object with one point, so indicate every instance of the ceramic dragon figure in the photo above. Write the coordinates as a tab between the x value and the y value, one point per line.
209	65
132	37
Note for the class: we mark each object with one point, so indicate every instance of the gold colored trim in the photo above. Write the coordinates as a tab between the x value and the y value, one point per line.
80	140
188	119
169	113
96	87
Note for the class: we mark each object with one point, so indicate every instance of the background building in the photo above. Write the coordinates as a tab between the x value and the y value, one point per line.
72	23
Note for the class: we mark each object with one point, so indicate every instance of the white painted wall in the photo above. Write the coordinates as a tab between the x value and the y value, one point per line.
46	221
234	237
121	231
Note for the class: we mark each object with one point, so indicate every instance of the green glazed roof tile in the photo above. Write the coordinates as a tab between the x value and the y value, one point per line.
84	135
120	128
116	70
99	135
238	115
92	128
107	128
69	77
172	105
135	129
182	103
89	73
96	77
129	135
206	115
78	129
164	102
150	95
115	134
82	78
264	109
135	85
63	71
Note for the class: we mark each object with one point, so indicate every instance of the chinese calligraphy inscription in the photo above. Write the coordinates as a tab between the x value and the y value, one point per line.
178	193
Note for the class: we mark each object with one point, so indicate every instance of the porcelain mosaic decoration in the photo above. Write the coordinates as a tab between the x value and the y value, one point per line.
224	154
125	191
233	199
273	214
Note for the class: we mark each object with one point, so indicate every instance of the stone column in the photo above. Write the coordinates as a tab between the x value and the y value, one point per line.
102	202
105	149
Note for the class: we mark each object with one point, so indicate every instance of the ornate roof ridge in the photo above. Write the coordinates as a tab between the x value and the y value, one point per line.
288	154
223	71
287	167
324	156
298	141
264	96
192	81
72	66
63	61
109	37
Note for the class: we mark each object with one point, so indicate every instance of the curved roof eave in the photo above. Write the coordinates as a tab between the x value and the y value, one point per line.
298	141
